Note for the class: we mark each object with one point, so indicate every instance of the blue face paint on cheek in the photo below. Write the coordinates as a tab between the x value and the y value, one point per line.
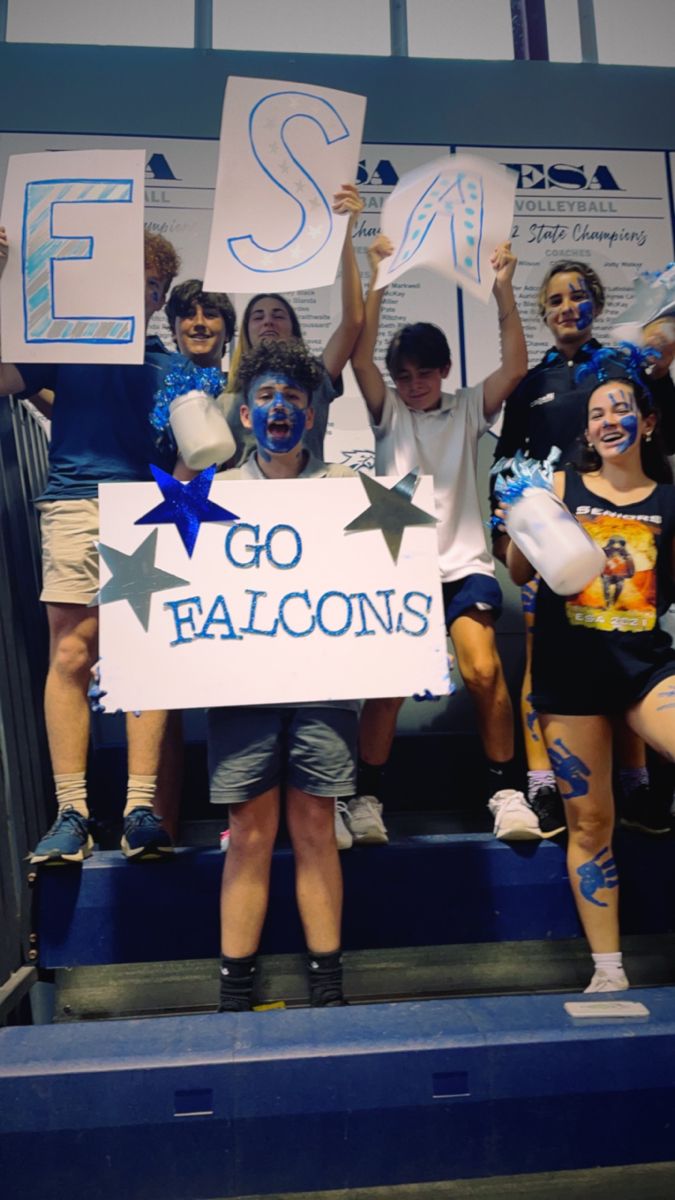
629	424
585	314
279	409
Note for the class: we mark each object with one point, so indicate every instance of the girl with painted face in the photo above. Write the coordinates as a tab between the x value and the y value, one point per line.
601	655
269	317
549	409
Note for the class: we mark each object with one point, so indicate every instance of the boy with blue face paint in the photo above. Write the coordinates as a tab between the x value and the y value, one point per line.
311	746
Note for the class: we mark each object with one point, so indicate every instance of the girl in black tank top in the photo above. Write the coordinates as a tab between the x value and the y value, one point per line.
602	653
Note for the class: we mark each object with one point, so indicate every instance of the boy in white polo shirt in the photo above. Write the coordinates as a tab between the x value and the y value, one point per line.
419	426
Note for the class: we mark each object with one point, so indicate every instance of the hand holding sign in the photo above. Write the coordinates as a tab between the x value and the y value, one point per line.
448	215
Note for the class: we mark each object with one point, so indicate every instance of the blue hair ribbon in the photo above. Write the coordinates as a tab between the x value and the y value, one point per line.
626	357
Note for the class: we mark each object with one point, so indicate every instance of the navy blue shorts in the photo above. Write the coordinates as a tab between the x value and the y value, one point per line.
474	591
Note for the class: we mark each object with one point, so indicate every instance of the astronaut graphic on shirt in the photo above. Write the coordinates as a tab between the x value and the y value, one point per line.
624	597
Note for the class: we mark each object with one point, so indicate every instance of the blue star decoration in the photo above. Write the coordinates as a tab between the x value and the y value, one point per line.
134	577
185	505
391	510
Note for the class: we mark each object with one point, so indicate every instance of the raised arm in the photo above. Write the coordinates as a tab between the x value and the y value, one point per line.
341	343
513	366
368	375
11	380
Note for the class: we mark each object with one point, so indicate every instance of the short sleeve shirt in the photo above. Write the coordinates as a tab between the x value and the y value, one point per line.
442	443
101	431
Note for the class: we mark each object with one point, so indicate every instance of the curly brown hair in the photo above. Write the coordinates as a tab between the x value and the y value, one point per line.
160	256
285	358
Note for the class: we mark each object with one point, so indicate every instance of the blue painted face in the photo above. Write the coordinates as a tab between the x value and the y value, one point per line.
623	406
278	407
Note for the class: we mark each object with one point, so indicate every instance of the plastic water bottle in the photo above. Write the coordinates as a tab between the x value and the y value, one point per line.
554	542
202	433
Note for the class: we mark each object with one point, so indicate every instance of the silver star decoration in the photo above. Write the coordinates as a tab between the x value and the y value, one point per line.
390	510
135	578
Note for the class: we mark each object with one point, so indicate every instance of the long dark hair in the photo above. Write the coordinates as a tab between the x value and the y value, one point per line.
622	364
243	345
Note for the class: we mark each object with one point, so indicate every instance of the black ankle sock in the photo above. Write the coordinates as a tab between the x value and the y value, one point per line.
237	976
502	775
324	972
370	779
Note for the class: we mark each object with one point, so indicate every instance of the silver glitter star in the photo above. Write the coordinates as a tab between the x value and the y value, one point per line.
134	577
391	511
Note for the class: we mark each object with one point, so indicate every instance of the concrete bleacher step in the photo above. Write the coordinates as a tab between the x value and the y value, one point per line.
416	891
370	976
312	1100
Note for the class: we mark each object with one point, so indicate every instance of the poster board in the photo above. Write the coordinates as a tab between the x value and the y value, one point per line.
277	605
67	294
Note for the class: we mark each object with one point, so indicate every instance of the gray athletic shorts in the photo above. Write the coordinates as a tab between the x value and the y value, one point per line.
253	749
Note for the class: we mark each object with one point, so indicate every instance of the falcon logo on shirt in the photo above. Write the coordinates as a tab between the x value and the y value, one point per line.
543	399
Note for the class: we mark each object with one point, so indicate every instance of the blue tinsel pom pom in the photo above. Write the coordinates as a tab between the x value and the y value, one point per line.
186	378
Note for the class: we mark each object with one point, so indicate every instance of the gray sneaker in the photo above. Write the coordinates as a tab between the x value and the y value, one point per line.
343	834
365	821
514	819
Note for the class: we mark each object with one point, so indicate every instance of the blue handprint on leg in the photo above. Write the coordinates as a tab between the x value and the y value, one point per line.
598	873
571	769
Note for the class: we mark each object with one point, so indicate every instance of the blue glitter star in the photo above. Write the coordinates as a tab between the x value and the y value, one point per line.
185	505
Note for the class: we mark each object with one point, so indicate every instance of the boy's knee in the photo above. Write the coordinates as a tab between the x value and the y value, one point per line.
251	832
72	657
312	825
483	673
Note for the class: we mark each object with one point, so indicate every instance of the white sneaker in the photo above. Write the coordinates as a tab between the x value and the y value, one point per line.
602	982
343	834
365	821
514	819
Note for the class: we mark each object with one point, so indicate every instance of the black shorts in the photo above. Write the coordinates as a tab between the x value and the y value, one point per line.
594	697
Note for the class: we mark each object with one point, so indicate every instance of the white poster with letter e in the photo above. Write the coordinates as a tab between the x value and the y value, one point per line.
274	600
285	150
449	215
73	289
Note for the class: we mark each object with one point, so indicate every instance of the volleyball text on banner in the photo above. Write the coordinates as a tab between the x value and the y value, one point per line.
449	215
73	288
285	150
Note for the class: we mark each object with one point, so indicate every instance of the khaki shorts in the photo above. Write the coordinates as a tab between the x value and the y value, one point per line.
69	556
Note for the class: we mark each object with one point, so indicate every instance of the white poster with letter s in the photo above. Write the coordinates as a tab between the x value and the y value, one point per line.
285	150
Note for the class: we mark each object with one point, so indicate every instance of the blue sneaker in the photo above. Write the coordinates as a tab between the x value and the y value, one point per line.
68	840
144	836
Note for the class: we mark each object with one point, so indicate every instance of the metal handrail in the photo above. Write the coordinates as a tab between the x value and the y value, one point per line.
25	776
